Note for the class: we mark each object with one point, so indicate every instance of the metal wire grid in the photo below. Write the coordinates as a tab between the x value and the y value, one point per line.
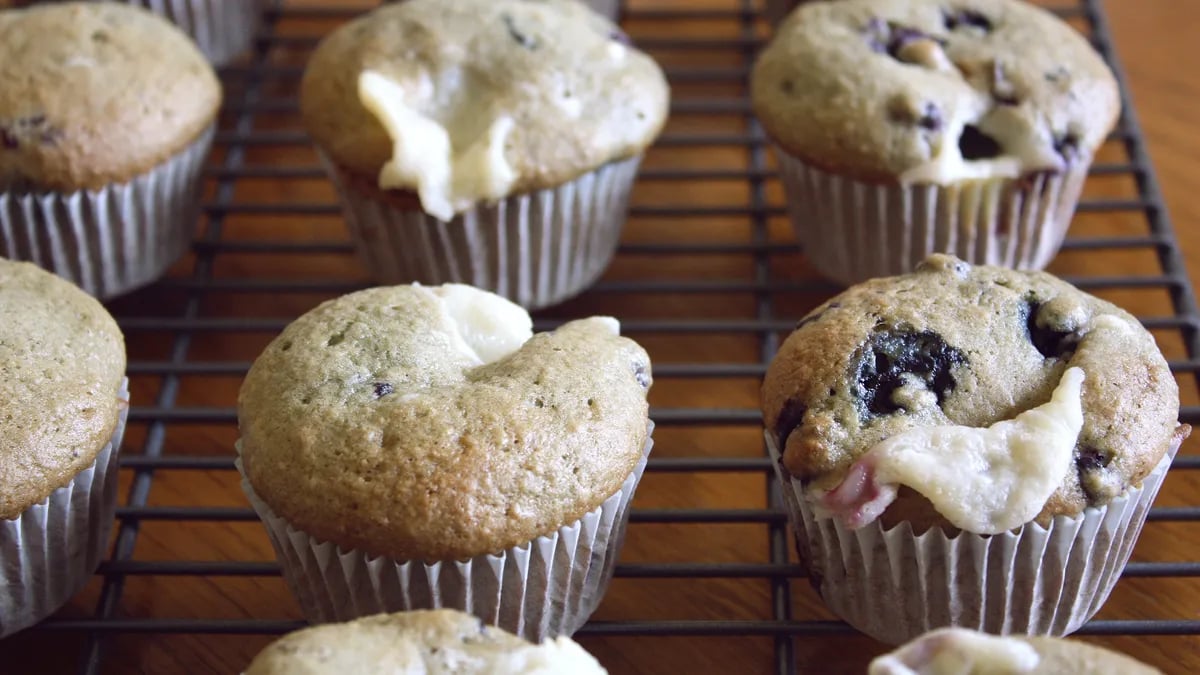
190	326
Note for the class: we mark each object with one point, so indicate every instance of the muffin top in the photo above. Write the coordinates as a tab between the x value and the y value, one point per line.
475	100
929	91
433	642
429	423
958	651
62	361
902	375
93	93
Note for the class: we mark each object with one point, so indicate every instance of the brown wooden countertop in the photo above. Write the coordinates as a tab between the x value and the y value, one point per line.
1158	48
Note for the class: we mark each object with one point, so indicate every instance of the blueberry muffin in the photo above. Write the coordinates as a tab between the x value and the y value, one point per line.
974	405
487	142
430	427
62	407
908	127
957	651
106	115
437	641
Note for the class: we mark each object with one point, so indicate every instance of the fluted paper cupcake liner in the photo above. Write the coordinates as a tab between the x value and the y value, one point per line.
536	249
222	29
853	230
48	553
111	240
543	588
894	585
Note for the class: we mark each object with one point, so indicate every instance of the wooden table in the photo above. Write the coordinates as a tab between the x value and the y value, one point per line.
1158	49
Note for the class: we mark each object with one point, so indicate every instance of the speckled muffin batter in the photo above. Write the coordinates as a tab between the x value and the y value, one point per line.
933	91
96	93
62	361
530	94
426	423
954	345
439	642
958	651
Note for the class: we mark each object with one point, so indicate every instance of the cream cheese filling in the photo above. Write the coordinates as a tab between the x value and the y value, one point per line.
982	480
957	651
452	168
483	326
1020	150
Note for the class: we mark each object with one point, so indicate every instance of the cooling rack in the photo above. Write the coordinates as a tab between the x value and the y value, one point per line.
708	278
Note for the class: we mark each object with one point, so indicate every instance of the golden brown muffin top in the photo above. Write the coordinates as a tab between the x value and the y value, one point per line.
425	422
952	344
907	89
435	642
93	93
62	361
560	84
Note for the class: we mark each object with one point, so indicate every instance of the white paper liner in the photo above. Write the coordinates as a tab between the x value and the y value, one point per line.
853	230
540	589
111	240
536	249
1038	580
222	29
48	553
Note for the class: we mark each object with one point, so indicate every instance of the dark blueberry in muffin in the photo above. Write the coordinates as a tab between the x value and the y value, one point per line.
1050	342
1067	146
791	417
890	355
931	118
966	18
518	36
974	144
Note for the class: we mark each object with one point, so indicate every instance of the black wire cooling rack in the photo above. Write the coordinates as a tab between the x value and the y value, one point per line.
270	249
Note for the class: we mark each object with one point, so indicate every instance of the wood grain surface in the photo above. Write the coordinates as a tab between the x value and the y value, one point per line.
1158	49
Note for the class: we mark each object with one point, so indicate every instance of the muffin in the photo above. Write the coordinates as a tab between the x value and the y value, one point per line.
969	446
412	447
106	117
488	142
957	651
63	402
909	127
437	641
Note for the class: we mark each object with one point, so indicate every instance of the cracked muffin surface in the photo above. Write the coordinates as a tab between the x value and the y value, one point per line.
952	344
430	423
933	91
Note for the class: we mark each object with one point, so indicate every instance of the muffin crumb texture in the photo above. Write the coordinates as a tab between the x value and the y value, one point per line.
436	642
430	423
93	93
62	361
924	91
475	100
952	345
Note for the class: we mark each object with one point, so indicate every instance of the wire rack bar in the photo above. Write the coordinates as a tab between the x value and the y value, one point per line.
260	84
